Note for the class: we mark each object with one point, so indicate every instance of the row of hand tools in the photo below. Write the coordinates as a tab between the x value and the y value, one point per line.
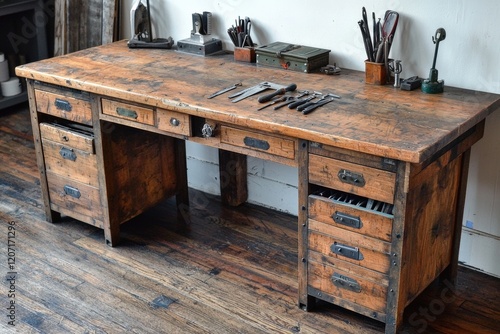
305	101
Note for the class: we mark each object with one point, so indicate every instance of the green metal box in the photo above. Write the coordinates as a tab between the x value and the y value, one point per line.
292	57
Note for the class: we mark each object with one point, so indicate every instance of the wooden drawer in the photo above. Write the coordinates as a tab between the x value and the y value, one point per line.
76	161
65	106
275	145
75	138
348	246
69	196
144	115
351	217
356	179
173	122
348	286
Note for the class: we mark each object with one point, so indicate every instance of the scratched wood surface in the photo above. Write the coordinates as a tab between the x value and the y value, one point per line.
380	120
232	271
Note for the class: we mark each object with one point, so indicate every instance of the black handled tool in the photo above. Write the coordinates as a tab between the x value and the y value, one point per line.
281	99
305	105
300	102
316	105
291	99
286	103
268	97
310	106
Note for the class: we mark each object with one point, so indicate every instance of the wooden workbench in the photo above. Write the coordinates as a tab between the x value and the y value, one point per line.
382	172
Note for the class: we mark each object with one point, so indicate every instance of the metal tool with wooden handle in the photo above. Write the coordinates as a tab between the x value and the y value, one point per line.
280	91
243	94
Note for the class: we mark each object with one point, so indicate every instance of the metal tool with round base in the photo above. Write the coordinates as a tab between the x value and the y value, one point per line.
432	85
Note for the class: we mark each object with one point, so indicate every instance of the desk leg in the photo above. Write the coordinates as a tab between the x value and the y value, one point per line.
50	215
182	196
233	178
306	302
450	273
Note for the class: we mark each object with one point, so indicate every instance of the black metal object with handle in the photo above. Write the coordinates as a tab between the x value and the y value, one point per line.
280	91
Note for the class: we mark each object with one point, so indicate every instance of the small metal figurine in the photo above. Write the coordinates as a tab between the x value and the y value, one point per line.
432	85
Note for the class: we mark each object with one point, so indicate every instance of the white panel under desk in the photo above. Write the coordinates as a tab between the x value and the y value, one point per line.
480	251
269	184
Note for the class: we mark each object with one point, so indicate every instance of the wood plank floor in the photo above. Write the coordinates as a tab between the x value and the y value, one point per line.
229	271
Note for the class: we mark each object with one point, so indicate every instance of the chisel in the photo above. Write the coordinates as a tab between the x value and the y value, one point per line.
222	91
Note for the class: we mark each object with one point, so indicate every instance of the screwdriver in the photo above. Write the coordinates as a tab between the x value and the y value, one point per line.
297	103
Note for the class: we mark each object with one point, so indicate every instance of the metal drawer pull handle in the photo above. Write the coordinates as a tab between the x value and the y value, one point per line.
347	220
345	282
174	121
67	153
351	178
63	105
126	112
256	143
347	251
72	191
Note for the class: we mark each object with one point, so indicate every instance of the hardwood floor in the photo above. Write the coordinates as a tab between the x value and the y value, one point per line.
228	271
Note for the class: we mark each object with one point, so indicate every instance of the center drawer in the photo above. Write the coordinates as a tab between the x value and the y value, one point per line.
140	114
260	142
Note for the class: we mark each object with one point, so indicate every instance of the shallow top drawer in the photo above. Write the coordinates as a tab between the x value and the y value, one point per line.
68	136
144	115
280	146
353	178
64	106
174	122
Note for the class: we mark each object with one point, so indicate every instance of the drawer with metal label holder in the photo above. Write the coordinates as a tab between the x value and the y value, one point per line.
75	199
70	135
348	286
259	142
73	106
364	181
69	153
336	242
130	112
351	212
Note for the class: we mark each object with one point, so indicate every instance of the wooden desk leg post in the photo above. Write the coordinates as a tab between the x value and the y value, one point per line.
450	273
395	297
50	215
182	197
306	302
102	142
233	178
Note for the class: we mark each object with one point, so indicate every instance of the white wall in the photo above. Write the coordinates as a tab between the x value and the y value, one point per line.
468	58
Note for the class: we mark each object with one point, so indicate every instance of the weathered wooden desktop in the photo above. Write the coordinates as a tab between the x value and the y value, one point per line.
382	172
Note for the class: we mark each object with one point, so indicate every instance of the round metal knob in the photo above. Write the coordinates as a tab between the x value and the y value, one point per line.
207	130
174	121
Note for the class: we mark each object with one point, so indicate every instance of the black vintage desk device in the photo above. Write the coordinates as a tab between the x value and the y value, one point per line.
382	172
